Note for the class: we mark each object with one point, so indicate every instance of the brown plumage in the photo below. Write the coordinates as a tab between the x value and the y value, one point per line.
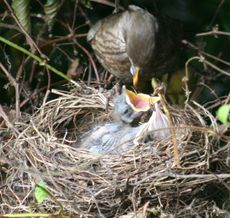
135	38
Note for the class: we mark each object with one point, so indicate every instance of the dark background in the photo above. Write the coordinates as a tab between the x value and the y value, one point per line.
76	16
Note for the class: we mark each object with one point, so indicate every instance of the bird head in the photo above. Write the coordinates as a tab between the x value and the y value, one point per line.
139	102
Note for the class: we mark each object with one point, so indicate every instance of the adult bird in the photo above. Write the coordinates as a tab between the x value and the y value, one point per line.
135	46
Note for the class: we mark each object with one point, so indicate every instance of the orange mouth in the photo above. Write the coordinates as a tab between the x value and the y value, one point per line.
140	102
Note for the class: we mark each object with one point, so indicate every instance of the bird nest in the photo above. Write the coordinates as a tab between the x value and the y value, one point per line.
143	180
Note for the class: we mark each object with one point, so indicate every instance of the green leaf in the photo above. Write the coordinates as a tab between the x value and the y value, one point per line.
40	192
223	114
51	8
22	11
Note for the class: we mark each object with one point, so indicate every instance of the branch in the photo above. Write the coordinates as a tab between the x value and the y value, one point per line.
38	59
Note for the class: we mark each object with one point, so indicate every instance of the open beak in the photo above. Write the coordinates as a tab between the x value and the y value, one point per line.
139	102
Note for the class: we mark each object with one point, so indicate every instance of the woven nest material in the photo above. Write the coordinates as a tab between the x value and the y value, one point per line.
142	180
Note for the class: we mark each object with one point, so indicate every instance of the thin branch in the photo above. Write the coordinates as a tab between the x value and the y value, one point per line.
214	32
9	26
74	13
216	68
70	36
7	121
202	60
186	78
30	40
190	45
104	2
38	59
89	56
91	60
16	87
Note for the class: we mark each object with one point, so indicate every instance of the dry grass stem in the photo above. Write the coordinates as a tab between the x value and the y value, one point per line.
46	148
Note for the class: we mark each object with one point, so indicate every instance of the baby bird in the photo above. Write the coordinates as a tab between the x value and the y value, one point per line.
119	136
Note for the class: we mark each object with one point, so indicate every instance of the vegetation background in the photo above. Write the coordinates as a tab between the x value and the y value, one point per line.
51	35
56	31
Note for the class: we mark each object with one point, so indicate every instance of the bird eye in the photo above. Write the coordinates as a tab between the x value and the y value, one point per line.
126	111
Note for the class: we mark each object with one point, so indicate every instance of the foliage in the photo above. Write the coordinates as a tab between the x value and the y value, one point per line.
56	27
22	12
40	37
40	192
51	8
223	114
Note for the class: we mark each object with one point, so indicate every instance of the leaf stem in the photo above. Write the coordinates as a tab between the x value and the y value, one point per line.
38	59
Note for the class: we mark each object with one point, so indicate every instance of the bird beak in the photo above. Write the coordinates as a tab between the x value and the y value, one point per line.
136	76
139	102
135	71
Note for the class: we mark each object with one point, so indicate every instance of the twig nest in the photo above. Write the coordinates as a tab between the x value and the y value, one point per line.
110	185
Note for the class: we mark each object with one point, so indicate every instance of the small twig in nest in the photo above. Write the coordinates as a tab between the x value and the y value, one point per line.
166	110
